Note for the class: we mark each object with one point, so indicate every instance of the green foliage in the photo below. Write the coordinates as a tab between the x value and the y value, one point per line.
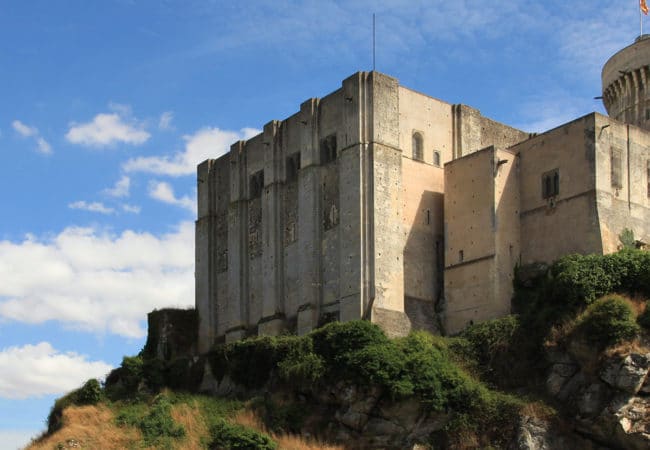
492	337
89	394
232	436
608	321
626	238
251	361
300	364
336	341
157	426
580	278
382	364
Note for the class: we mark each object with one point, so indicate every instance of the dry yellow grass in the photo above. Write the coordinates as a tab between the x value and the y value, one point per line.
196	431
285	441
91	427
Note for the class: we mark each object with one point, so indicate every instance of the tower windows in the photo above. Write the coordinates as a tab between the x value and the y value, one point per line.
615	165
256	184
328	150
292	168
417	146
436	158
551	183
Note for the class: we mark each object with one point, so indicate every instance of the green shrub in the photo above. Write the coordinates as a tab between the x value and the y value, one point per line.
250	361
157	426
579	279
383	365
336	341
232	436
300	364
608	321
492	337
89	394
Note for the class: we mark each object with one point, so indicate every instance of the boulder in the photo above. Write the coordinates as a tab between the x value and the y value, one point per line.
627	374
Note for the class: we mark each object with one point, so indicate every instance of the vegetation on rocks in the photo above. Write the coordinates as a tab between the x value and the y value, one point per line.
463	380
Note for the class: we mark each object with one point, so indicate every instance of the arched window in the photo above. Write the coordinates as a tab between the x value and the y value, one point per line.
436	158
417	146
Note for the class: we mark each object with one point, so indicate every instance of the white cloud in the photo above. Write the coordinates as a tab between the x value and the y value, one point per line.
38	370
164	192
133	209
17	439
91	207
42	146
96	281
205	143
165	122
108	128
121	188
24	130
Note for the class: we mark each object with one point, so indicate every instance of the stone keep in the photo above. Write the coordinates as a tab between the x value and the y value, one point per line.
381	203
333	213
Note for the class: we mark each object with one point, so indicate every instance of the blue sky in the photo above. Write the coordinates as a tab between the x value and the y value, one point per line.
107	106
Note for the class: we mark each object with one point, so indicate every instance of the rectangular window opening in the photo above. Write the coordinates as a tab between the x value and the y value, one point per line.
328	150
256	184
292	167
616	168
551	184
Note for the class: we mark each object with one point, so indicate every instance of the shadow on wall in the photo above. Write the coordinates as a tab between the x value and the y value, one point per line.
424	262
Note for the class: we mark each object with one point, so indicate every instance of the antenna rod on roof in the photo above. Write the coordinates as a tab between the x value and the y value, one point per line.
373	42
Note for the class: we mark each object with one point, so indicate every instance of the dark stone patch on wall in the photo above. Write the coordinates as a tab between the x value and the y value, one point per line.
330	191
222	194
255	228
290	212
422	314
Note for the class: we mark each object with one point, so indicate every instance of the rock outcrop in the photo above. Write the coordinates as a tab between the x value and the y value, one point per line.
608	399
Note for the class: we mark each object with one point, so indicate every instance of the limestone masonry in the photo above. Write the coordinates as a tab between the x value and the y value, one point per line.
382	203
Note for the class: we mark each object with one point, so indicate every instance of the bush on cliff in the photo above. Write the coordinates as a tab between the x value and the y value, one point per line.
608	321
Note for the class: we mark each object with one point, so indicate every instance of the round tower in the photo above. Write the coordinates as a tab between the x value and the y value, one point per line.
626	75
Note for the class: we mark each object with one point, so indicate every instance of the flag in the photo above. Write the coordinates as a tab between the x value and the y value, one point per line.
643	6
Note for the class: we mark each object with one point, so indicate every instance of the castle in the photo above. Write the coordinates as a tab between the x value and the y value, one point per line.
382	203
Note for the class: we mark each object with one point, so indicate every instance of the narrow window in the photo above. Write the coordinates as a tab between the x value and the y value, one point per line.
428	217
292	168
647	114
551	184
461	256
328	150
417	146
616	172
436	158
256	184
648	177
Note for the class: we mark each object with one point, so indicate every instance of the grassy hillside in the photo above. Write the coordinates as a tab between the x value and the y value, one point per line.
469	387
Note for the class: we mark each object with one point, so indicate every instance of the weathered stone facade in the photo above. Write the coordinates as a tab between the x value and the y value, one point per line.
382	203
